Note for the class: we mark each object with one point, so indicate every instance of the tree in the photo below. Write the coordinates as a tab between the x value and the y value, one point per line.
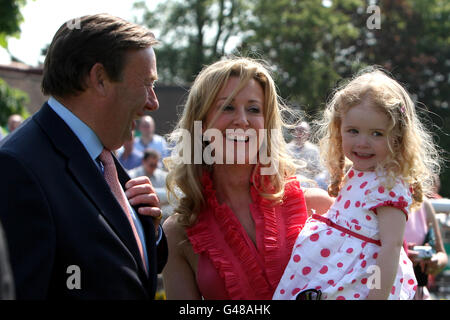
11	100
193	33
10	19
303	40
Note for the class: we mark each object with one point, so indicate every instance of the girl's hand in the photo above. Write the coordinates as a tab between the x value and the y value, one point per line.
140	192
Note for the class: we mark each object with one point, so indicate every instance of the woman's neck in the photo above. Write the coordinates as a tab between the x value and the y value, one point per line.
232	183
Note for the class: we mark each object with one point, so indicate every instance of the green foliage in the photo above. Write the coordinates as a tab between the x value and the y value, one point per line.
192	33
303	40
10	19
12	101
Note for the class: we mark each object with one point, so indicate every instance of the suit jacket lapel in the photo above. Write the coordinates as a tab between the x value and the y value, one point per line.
88	176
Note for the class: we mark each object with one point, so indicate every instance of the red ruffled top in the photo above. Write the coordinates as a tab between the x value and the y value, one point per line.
230	265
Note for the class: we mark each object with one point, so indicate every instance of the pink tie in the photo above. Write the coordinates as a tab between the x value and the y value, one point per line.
111	178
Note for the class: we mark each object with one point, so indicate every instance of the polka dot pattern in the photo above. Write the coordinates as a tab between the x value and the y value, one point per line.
337	263
306	270
325	253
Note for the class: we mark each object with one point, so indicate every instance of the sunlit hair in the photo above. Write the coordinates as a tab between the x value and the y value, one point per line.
184	179
412	152
99	38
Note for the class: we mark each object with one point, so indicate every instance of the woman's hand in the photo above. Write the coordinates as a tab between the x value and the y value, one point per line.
432	265
412	254
435	264
140	192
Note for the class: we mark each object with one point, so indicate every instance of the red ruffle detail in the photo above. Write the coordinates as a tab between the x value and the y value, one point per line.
262	275
279	236
402	205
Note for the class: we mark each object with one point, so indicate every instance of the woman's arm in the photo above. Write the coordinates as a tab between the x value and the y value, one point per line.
439	260
391	223
178	275
317	200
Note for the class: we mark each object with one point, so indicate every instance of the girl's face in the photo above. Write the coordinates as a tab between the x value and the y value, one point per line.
364	132
238	121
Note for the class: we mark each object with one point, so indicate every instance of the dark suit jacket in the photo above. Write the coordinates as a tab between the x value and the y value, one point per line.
58	211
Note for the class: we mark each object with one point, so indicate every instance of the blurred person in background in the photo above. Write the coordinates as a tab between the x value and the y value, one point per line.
157	176
128	156
308	155
149	139
14	121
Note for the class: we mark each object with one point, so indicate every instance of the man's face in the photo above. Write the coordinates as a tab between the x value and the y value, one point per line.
132	96
128	145
150	164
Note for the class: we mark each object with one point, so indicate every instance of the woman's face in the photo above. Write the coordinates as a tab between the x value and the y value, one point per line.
237	124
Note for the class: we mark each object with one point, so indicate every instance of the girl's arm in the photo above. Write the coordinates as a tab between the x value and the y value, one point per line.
391	222
178	275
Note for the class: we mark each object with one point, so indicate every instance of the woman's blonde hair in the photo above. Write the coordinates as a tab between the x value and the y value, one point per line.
413	154
184	179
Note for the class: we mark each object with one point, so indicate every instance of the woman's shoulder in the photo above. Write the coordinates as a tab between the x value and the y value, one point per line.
179	245
317	200
173	227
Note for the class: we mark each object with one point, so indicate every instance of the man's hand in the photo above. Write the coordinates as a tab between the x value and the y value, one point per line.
140	192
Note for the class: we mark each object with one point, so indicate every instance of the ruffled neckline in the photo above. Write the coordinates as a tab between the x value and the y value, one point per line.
263	266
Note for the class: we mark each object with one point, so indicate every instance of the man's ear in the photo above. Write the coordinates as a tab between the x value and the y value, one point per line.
98	79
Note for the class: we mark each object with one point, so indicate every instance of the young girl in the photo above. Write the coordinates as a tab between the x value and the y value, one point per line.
354	251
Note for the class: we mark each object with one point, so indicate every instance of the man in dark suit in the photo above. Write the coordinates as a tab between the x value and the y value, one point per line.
67	234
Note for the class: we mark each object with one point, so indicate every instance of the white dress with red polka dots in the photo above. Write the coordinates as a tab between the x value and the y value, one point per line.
328	257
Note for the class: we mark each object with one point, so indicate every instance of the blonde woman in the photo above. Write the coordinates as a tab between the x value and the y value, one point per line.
239	207
355	250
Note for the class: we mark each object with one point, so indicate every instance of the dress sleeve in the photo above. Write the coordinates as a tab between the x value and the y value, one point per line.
398	197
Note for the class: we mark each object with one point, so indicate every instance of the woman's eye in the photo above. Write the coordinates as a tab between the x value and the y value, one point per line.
353	131
254	109
228	108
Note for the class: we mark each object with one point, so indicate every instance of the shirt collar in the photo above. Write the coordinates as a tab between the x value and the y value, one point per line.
84	133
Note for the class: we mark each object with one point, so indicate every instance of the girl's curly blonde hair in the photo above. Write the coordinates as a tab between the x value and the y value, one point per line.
413	154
